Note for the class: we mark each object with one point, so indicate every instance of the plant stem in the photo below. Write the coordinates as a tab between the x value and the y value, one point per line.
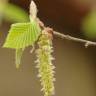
68	37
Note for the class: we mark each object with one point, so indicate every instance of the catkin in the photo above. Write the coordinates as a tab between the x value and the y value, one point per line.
44	64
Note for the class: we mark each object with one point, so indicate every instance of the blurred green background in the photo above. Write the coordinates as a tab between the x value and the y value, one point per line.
75	65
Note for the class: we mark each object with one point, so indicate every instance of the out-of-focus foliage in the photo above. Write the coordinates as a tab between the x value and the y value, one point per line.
14	13
89	25
11	12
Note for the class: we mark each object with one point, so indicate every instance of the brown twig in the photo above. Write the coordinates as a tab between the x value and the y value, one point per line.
58	34
68	37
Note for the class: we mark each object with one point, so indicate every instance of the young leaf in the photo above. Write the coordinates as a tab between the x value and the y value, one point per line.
22	35
18	57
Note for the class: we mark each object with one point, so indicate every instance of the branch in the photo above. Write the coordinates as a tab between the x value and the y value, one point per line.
63	36
68	37
50	30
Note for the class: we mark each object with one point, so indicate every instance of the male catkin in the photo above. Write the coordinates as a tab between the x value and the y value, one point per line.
44	64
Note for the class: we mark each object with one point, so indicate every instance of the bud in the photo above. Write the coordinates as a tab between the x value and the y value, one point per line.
33	11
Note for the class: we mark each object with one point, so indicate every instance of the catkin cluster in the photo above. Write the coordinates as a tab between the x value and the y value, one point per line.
44	64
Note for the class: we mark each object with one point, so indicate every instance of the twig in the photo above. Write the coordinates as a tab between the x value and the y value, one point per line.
63	36
68	37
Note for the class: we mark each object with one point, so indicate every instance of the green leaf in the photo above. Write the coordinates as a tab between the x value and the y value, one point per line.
18	57
22	35
14	13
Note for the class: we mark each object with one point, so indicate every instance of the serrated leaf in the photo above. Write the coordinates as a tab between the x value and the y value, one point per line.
18	57
22	35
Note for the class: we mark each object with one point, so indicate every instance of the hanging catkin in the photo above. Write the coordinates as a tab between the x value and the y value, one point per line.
44	63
